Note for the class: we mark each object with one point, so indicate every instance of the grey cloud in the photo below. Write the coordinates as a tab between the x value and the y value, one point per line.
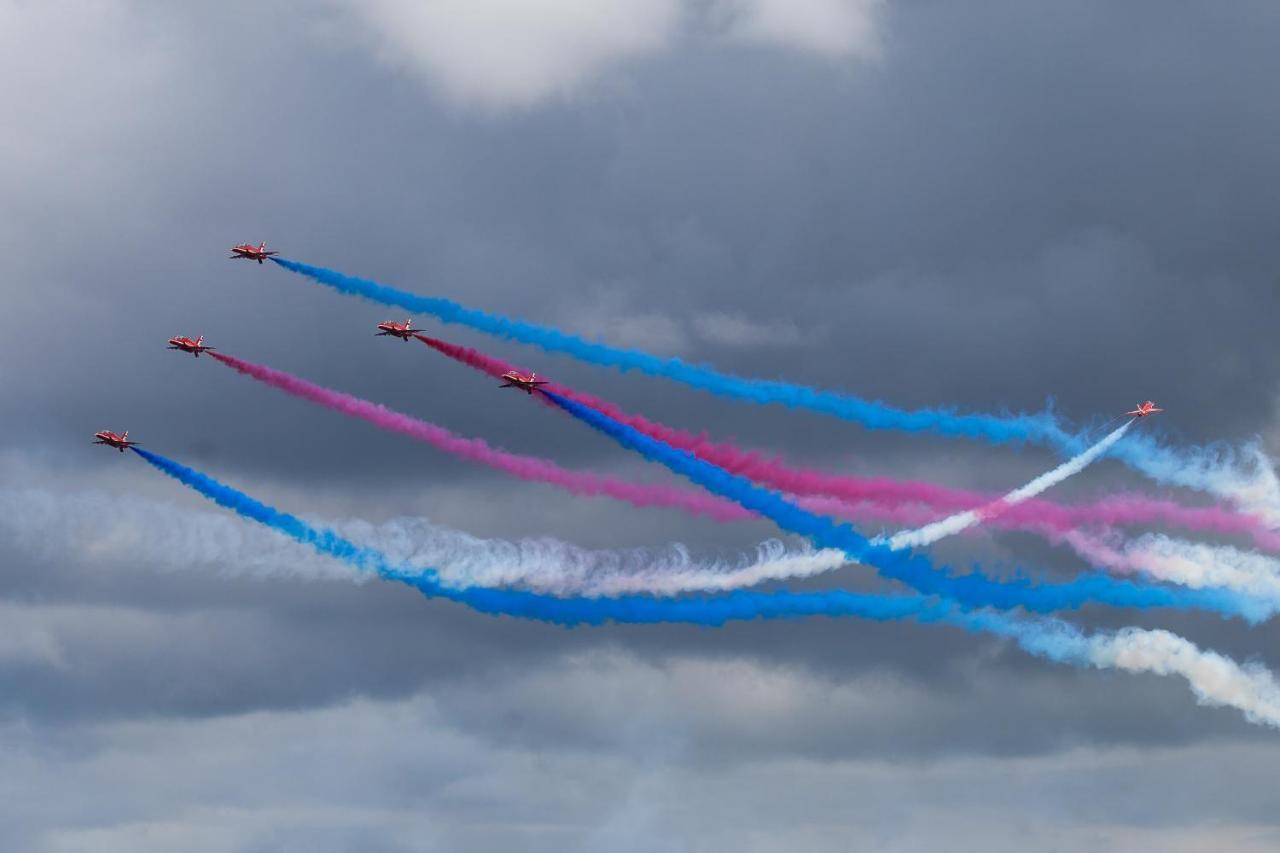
400	775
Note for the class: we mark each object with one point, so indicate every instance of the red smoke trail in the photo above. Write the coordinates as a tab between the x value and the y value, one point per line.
893	500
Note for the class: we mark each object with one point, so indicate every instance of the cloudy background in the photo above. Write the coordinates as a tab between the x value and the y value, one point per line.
984	204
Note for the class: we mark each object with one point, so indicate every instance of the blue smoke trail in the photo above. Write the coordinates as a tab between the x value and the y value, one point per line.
1212	468
971	590
872	414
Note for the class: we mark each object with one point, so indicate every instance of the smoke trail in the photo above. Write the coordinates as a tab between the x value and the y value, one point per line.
525	467
894	500
1213	469
1192	564
557	568
100	528
1004	429
973	590
931	533
1216	680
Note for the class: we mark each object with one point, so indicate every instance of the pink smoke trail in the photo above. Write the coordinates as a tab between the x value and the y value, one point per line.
885	493
525	467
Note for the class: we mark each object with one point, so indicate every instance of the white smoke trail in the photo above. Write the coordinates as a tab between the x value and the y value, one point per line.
953	524
98	527
551	566
101	528
1214	678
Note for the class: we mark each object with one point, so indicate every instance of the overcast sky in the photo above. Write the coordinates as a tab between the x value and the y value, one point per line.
987	205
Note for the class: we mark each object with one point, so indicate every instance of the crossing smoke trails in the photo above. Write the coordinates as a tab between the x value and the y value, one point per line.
525	467
971	590
1215	679
1016	510
1214	469
688	578
881	496
951	525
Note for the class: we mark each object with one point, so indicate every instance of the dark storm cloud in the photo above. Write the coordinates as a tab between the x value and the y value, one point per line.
1014	201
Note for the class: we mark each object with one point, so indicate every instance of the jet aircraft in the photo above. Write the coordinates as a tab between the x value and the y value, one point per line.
1144	409
403	331
109	438
515	379
187	345
250	252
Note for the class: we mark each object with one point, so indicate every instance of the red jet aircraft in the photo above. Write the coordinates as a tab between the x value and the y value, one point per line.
513	379
403	331
1144	409
187	345
250	252
109	438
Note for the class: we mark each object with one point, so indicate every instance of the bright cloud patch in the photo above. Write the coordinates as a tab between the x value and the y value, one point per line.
513	52
504	53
